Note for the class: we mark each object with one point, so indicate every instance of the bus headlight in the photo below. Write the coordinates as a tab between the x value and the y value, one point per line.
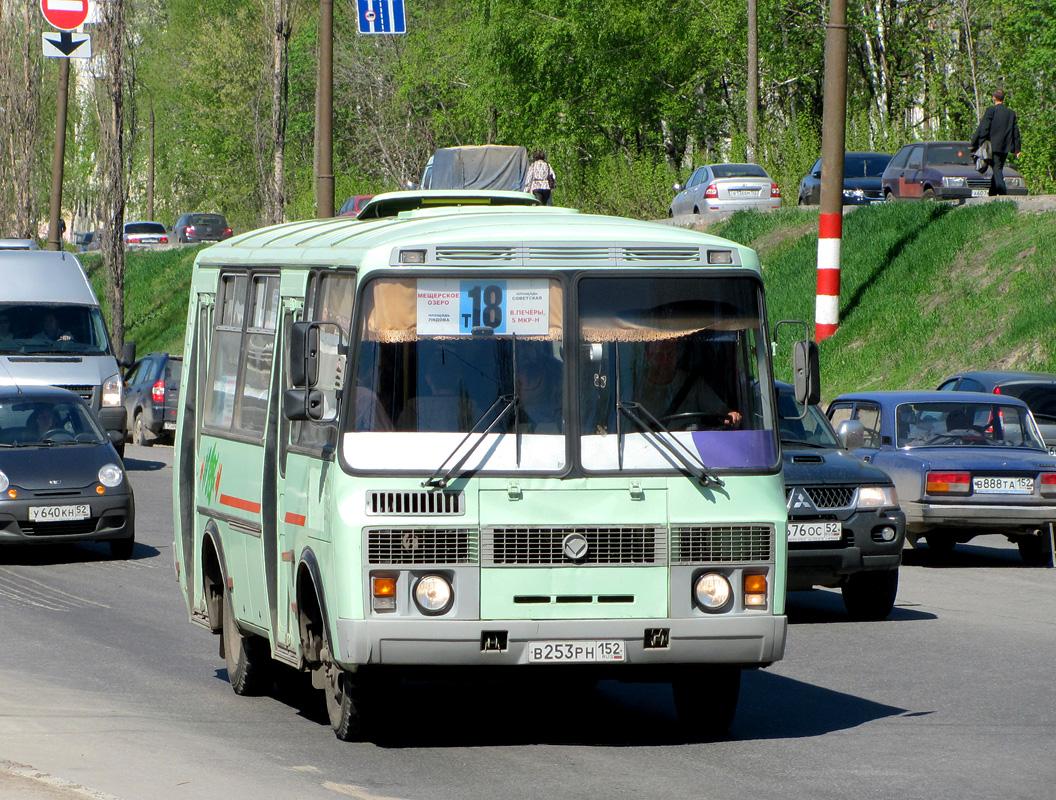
712	591
112	389
433	594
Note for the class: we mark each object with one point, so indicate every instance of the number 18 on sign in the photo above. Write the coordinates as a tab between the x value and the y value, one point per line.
380	16
66	15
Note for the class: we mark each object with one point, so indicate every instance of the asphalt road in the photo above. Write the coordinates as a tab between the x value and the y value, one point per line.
107	691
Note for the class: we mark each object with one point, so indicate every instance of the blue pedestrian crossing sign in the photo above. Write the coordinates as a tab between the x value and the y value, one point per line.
381	16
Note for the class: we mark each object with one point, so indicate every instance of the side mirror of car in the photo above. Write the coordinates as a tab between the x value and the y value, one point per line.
128	355
816	174
851	434
677	187
115	437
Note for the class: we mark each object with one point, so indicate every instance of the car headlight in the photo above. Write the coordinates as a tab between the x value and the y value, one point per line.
113	388
712	591
858	193
1016	183
4	482
877	497
433	594
955	183
111	475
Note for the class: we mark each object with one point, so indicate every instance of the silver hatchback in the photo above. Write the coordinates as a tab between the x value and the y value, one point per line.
726	187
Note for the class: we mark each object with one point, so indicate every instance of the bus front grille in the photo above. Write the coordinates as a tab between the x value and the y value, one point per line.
416	504
721	544
546	546
422	545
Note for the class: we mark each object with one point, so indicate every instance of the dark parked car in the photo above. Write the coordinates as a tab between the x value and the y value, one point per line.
1036	389
61	480
353	205
191	228
964	464
726	187
145	234
861	180
941	171
845	528
151	389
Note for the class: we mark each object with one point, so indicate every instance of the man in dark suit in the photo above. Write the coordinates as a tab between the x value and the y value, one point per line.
1000	125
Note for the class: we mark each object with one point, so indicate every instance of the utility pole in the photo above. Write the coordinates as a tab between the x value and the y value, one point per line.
54	219
150	165
325	113
833	139
753	78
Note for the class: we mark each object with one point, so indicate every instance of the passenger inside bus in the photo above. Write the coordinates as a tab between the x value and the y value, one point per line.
539	389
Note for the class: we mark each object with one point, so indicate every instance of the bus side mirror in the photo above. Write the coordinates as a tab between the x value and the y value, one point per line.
303	356
299	405
807	371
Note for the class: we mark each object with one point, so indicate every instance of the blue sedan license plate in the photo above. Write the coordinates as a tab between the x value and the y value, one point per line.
575	652
1003	485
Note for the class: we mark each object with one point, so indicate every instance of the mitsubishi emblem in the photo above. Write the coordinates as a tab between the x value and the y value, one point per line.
799	501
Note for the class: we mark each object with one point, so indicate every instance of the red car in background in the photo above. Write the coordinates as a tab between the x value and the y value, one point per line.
353	205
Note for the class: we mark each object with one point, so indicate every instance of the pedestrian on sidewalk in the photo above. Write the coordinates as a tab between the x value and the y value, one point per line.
1000	126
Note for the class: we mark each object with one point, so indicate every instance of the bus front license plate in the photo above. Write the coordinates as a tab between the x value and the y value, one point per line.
59	513
814	531
576	652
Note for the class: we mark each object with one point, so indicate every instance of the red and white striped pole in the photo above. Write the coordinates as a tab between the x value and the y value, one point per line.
827	305
833	137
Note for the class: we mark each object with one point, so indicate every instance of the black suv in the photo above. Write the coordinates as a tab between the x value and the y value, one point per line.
845	528
151	388
201	228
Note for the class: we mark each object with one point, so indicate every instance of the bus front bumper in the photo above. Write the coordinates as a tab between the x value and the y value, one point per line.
745	640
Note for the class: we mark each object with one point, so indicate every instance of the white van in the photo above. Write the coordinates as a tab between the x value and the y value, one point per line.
52	333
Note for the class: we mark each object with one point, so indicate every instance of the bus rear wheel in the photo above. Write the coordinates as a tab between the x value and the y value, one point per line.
248	657
343	699
706	701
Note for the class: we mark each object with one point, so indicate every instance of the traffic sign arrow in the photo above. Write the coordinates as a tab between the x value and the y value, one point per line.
67	45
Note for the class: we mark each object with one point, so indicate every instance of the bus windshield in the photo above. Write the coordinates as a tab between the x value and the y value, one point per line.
444	360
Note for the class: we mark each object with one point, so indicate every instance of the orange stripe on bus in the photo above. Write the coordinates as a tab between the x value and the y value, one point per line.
239	503
296	519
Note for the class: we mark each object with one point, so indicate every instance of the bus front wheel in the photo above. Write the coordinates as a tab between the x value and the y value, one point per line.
706	701
342	699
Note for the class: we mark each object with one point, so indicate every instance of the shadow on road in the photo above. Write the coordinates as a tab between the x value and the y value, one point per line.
826	606
975	553
142	465
71	553
611	714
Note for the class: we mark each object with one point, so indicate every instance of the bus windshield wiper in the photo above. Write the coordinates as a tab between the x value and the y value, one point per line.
660	436
505	403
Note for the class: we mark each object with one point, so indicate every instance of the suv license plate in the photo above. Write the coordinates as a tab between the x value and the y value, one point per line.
815	531
1003	485
59	513
576	652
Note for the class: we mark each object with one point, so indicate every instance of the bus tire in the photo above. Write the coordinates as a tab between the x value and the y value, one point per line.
706	701
343	699
248	657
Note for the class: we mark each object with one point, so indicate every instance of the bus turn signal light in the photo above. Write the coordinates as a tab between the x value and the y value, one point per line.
384	591
755	591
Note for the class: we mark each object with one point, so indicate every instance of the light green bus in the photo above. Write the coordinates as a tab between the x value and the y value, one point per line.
501	438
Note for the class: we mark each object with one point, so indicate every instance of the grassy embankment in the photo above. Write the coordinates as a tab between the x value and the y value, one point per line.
926	289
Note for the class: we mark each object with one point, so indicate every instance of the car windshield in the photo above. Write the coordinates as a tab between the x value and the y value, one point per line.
738	171
865	166
144	227
51	330
959	424
803	425
956	155
208	219
46	421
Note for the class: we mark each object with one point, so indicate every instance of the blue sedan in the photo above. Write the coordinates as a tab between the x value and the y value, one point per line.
964	464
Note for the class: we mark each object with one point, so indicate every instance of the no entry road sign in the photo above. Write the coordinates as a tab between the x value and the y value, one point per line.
66	15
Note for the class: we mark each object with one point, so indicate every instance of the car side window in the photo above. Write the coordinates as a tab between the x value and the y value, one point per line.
969	385
899	161
869	415
839	413
694	179
916	156
949	385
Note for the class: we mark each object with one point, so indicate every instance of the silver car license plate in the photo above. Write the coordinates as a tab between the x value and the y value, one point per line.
1003	485
744	192
576	652
814	531
59	513
980	192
